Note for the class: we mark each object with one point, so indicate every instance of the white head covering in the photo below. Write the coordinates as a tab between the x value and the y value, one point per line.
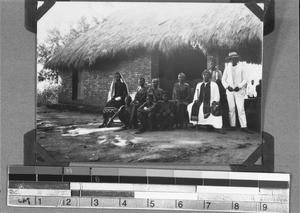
111	91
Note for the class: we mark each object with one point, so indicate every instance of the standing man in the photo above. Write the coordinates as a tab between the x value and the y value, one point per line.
216	74
258	89
139	99
234	81
251	90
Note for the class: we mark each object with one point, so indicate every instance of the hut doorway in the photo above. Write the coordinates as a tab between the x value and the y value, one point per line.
191	62
77	92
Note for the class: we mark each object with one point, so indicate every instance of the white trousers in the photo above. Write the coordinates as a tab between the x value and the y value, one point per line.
238	99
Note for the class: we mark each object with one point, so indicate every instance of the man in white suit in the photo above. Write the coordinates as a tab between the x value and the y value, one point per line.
234	81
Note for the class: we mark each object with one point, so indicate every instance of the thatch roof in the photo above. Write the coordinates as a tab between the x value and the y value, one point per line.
168	28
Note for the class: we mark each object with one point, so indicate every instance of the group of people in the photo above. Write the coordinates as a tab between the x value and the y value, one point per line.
153	108
254	91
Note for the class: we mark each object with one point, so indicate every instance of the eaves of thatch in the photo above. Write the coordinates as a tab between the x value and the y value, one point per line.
167	28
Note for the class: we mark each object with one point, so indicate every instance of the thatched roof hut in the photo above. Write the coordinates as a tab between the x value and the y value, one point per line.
167	28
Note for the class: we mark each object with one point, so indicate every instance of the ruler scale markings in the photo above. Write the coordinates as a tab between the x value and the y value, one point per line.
161	204
243	192
217	206
80	189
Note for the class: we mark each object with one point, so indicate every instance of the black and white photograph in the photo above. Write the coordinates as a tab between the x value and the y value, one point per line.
148	82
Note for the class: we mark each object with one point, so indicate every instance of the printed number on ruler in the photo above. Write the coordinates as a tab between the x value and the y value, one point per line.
97	179
69	201
207	204
263	207
38	201
151	203
235	206
95	202
180	204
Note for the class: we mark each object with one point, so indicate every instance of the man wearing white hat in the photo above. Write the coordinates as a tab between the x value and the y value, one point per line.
234	80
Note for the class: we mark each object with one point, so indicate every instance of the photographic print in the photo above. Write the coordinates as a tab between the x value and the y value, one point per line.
145	82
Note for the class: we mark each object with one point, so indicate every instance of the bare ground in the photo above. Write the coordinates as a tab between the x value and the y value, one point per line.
74	136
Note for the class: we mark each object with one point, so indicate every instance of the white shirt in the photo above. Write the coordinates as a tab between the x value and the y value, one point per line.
251	90
234	76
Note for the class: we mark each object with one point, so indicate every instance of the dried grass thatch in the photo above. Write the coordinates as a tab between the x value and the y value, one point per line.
167	27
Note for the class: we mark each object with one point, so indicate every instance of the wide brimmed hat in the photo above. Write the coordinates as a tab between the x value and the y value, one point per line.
232	55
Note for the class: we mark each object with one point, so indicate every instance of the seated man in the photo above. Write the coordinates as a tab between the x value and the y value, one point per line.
155	90
146	114
199	112
124	114
165	116
139	99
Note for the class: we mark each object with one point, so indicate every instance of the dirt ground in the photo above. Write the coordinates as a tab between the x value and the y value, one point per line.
74	136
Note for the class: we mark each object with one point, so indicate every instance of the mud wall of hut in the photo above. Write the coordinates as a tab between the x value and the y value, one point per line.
95	83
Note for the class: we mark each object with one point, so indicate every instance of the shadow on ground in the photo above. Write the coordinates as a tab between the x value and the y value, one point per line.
74	136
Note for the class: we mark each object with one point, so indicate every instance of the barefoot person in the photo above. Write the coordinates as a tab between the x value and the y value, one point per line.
206	94
146	115
181	95
124	114
165	113
234	80
116	98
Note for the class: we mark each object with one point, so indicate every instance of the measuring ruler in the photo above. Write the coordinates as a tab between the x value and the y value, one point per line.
133	188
